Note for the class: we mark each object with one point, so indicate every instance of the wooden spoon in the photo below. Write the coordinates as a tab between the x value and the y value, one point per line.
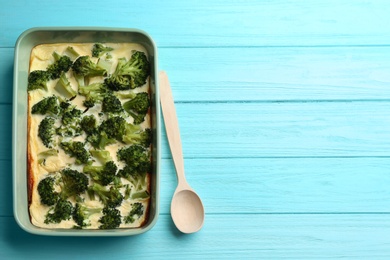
187	210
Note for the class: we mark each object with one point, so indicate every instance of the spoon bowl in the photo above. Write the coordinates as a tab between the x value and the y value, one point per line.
187	210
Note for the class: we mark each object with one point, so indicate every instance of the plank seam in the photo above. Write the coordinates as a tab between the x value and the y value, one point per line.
262	46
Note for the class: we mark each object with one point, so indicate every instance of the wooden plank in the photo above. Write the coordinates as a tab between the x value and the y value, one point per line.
290	185
6	132
218	22
248	186
6	195
263	74
223	130
255	236
278	74
6	74
226	130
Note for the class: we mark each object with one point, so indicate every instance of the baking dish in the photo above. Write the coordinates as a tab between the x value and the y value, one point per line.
49	35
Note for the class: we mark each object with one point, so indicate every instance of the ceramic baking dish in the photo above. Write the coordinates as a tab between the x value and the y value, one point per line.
25	43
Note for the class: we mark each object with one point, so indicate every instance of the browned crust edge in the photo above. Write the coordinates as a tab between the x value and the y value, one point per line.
30	174
147	215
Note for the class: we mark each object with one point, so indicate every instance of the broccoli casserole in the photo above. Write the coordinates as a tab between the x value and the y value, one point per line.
89	136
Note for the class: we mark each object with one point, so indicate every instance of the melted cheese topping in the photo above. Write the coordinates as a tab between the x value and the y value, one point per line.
41	57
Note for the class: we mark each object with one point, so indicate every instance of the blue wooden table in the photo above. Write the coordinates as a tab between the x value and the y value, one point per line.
284	108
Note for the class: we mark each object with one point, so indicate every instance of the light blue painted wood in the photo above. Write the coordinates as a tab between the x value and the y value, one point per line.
6	74
224	236
6	188
6	132
283	108
274	74
216	22
215	130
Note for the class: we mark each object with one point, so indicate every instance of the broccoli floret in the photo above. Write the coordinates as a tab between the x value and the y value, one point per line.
95	88
80	80
140	190
114	127
137	118
130	74
99	49
102	156
71	118
94	93
117	81
81	215
138	107
127	95
85	67
61	211
71	52
117	128
111	218
136	157
38	79
65	105
61	64
105	64
46	131
111	104
76	149
127	191
42	156
143	138
88	103
73	183
47	192
139	195
139	104
109	197
64	88
104	174
68	130
108	132
88	124
49	105
136	177
100	140
71	115
136	210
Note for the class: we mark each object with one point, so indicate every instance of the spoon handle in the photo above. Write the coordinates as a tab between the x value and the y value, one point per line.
172	126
